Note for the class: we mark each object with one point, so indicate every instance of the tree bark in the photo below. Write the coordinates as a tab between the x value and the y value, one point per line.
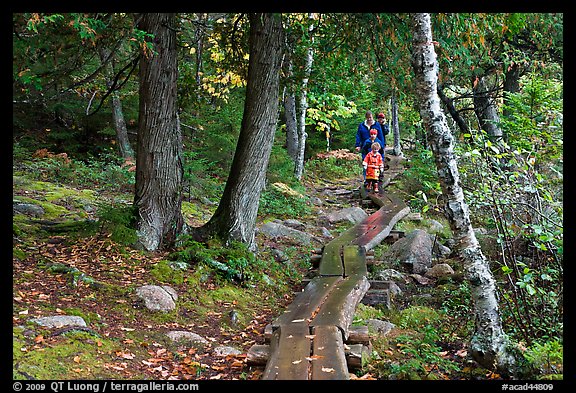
449	103
489	343
486	109
395	125
235	217
511	83
159	171
290	108
124	147
303	107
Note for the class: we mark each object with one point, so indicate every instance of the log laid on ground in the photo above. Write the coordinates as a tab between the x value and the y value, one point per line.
328	357
340	307
376	297
358	335
307	302
356	356
289	353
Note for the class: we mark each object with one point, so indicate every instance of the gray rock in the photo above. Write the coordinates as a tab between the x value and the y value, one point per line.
180	336
440	270
351	214
414	250
380	327
158	298
29	209
276	230
223	351
58	321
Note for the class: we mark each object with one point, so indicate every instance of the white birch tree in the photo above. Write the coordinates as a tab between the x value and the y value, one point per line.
489	344
303	104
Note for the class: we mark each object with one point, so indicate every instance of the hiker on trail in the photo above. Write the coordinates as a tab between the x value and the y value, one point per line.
381	118
363	131
373	165
385	130
367	145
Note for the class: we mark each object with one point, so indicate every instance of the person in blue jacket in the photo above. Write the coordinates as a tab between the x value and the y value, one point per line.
367	144
364	128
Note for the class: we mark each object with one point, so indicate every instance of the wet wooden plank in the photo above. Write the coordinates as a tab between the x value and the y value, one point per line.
328	356
375	231
331	262
290	350
306	304
338	310
355	260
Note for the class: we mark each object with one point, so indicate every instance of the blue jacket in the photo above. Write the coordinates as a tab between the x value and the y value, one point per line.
363	133
367	147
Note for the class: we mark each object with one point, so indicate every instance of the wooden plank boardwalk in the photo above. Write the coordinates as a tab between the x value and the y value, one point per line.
309	340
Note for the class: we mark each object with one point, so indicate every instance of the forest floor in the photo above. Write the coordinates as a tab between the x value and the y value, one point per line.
123	341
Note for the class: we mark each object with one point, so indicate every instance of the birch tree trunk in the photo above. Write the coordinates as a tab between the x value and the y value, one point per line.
159	171
235	217
489	344
303	106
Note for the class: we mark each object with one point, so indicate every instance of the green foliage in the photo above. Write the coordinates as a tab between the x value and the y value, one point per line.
169	272
274	202
515	189
332	169
118	220
104	172
546	359
421	181
418	354
536	117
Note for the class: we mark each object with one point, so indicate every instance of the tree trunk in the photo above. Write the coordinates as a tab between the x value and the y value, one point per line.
290	105
449	103
124	147
489	343
511	83
235	217
303	107
486	109
395	125
158	196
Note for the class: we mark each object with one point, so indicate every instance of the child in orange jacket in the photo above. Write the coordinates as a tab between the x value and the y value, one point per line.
373	164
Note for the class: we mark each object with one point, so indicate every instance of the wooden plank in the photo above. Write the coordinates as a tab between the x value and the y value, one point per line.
384	220
331	262
306	304
338	310
328	356
356	356
290	349
358	335
354	261
377	297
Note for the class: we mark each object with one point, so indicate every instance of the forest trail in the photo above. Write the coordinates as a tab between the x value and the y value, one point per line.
313	339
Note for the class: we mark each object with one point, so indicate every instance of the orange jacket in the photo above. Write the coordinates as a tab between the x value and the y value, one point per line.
374	164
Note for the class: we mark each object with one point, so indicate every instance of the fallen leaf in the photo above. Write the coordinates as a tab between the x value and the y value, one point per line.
297	361
328	369
76	359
